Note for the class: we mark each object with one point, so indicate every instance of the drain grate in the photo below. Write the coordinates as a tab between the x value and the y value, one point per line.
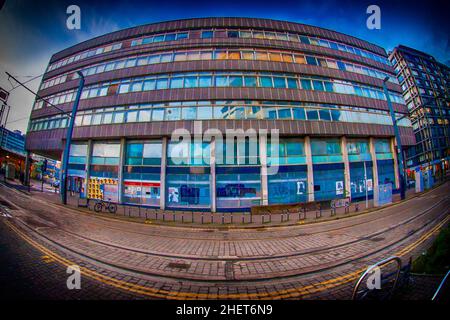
178	265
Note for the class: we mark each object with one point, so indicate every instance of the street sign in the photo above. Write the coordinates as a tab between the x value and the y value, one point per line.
3	95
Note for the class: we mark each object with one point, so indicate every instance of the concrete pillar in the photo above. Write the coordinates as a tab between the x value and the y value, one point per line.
395	156
346	167
263	161
87	169
373	155
212	148
162	186
310	171
121	164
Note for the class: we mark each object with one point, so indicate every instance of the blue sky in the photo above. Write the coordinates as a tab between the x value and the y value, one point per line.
31	31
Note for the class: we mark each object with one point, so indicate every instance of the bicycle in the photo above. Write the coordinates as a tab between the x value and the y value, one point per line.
108	205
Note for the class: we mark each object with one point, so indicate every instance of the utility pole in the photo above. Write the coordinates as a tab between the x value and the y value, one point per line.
3	99
398	141
65	162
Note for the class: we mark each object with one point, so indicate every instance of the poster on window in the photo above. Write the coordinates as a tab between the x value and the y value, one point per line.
369	184
174	195
339	188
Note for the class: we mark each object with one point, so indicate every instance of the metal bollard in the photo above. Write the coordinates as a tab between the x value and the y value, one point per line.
192	216
243	219
357	207
156	216
223	218
174	217
231	219
182	218
202	217
164	216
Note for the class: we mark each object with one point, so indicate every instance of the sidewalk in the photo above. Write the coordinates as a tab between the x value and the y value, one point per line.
207	219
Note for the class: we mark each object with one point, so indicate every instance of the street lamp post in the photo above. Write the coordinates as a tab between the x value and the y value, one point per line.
398	141
64	165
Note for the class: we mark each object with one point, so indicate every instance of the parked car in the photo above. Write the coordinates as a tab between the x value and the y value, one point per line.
55	184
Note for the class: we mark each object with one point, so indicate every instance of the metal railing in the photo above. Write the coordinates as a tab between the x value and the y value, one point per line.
371	269
441	285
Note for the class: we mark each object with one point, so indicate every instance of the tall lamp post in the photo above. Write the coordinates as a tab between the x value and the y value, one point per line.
398	141
64	165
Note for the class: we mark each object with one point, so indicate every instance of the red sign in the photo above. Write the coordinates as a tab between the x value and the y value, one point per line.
141	184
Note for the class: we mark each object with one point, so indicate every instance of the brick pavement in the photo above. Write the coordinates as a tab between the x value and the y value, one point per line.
306	257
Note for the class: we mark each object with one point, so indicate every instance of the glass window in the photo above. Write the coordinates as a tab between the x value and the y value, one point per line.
204	113
279	82
324	114
124	87
312	114
299	113
284	113
183	35
161	83
158	38
179	56
220	54
275	57
132	116
205	81
207	34
149	85
142	61
190	82
221	81
266	82
189	113
233	34
318	85
136	86
172	114
234	55
306	84
176	83
250	81
235	81
247	55
261	55
158	114
144	115
119	116
300	59
311	60
292	83
170	37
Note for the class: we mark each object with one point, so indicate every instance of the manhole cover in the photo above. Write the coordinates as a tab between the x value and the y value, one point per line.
178	265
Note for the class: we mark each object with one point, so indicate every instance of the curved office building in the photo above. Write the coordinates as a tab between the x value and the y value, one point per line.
244	94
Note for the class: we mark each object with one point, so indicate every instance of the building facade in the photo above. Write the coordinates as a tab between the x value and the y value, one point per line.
12	151
313	98
425	83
